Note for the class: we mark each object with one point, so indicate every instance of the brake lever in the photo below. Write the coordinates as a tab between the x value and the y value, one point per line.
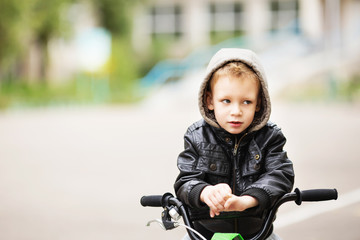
156	221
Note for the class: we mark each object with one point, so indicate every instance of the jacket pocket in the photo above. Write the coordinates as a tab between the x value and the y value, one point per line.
253	161
213	160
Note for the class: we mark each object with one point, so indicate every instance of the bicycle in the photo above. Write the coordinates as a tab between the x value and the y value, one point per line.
174	209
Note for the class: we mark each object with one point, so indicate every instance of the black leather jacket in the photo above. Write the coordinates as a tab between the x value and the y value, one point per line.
252	164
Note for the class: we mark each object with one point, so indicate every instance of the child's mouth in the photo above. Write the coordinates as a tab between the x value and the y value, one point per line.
235	123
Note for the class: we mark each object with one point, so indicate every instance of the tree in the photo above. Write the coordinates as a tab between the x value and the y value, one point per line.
46	23
116	17
11	22
24	24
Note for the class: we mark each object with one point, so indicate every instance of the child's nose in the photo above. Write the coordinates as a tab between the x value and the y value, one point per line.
236	110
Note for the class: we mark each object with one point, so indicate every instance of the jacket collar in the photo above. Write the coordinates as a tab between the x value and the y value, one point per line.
230	139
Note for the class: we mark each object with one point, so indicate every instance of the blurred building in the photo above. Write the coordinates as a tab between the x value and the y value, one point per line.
189	24
298	40
176	28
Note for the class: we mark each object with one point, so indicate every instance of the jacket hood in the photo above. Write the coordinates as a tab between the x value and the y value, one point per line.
248	57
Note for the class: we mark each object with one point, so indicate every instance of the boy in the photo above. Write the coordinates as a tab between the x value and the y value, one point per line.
233	167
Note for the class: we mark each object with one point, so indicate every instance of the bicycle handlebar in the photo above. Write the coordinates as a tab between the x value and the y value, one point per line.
168	200
315	195
151	201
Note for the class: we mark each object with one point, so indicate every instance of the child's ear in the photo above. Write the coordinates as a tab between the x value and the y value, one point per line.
209	101
258	105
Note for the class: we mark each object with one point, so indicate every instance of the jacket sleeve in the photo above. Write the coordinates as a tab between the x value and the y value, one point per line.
277	177
190	182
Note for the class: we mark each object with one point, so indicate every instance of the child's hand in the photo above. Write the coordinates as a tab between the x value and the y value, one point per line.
236	203
215	197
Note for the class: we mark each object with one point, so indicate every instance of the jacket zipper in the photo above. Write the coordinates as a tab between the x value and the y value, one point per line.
236	147
237	144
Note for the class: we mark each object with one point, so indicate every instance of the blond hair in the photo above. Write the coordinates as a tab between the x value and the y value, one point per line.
236	69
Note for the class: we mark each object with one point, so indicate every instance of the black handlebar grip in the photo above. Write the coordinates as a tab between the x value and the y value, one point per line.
151	201
314	195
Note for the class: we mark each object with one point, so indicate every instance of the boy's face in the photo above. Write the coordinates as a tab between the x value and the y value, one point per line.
234	101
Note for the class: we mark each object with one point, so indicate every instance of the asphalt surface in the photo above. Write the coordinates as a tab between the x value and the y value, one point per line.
78	173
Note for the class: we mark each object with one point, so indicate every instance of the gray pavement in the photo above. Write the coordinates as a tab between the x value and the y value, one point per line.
78	173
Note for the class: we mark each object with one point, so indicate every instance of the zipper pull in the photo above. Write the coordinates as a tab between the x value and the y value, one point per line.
236	146
235	149
237	143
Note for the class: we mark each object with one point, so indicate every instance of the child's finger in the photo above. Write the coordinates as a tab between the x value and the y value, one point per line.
224	189
217	202
216	205
214	213
227	197
229	202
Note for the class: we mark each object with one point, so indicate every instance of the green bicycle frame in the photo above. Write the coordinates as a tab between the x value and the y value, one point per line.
227	236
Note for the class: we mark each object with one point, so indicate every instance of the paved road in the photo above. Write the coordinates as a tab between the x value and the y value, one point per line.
78	173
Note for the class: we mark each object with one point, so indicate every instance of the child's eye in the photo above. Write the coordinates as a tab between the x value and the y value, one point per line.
226	101
246	102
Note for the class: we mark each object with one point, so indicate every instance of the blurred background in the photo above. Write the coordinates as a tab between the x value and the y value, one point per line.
95	96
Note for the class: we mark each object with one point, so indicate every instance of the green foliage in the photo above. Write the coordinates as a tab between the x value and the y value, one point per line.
25	23
46	19
115	15
116	83
20	94
83	90
327	88
218	37
350	89
122	70
11	27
